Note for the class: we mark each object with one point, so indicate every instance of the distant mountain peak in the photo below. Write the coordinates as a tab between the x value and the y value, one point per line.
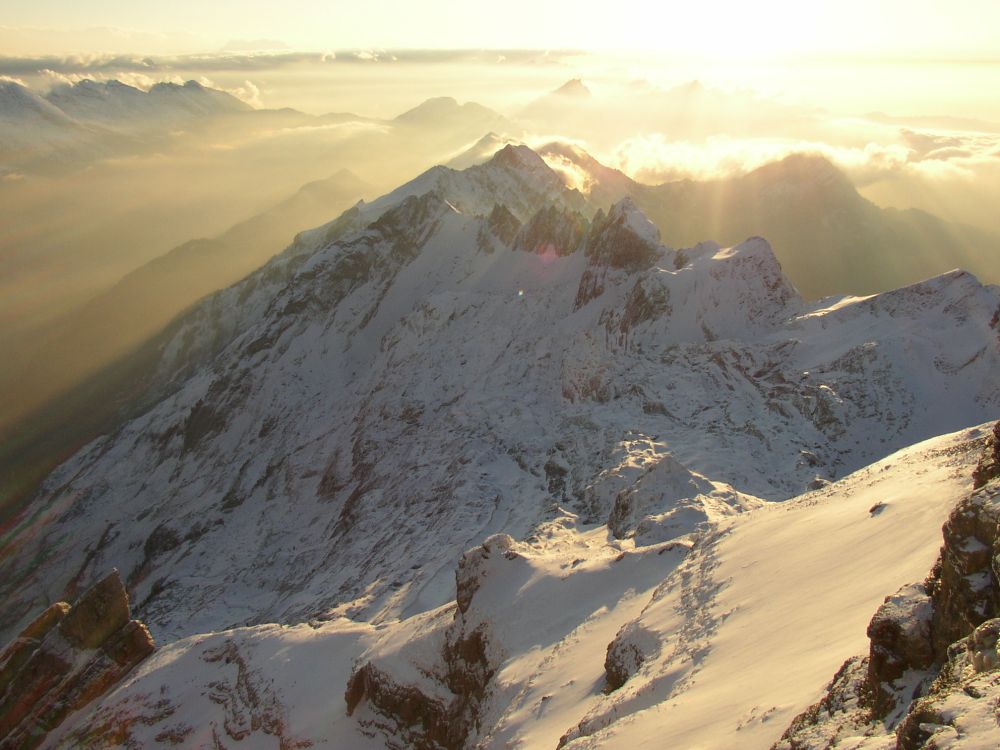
806	169
433	107
114	102
18	102
575	88
435	110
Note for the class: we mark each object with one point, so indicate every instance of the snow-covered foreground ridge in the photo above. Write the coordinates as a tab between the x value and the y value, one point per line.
716	639
477	353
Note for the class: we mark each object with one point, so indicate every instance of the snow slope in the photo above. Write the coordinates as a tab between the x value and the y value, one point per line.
739	624
771	603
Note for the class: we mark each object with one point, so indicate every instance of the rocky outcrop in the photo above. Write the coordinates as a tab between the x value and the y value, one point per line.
623	240
632	646
900	634
66	658
964	584
442	711
989	465
959	709
500	224
552	231
932	676
422	721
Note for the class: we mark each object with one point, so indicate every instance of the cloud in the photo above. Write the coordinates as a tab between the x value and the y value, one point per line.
249	92
254	45
330	131
91	63
655	158
573	175
12	79
136	80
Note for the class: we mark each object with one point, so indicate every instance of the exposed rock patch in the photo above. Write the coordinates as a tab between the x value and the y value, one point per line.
989	465
66	658
553	230
444	712
622	240
626	653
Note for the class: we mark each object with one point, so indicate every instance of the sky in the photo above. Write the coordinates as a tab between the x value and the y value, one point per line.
722	29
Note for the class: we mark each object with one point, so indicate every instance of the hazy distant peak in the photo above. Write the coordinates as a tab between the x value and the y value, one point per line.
574	87
12	93
342	180
692	88
18	102
490	137
93	88
805	169
438	106
117	103
481	151
169	86
519	156
802	163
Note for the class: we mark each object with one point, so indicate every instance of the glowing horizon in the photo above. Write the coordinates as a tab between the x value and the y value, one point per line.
893	29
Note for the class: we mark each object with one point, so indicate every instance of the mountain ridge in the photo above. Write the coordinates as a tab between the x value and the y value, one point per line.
340	323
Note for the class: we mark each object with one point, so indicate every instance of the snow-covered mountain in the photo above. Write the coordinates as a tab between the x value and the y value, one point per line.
117	104
75	124
30	125
484	355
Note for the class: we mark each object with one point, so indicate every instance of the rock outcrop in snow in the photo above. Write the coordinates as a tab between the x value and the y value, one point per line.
66	658
989	466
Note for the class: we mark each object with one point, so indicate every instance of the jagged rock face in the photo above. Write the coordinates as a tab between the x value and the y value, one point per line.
989	466
982	646
933	675
552	231
959	709
623	240
420	721
334	431
66	658
502	225
470	571
468	658
965	590
900	634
